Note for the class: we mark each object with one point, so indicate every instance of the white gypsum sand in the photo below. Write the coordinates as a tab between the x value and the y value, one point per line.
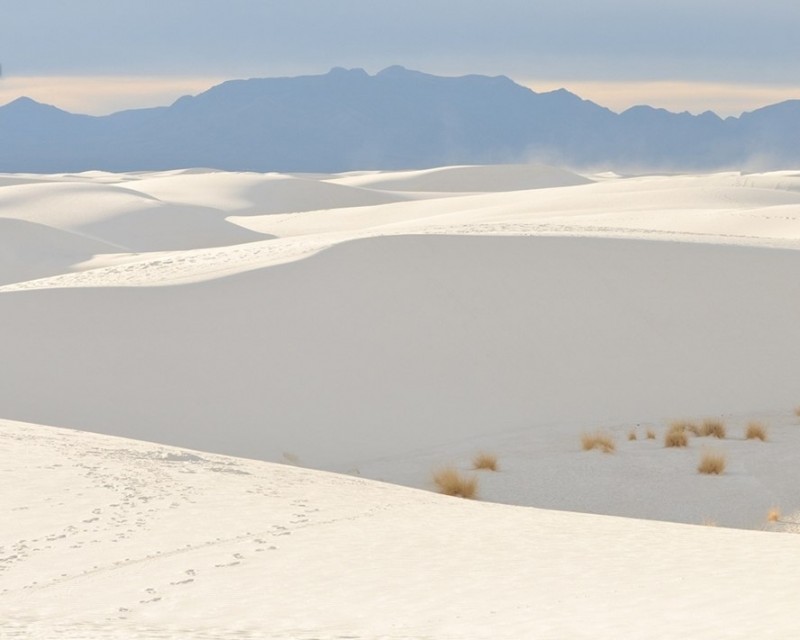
385	325
113	538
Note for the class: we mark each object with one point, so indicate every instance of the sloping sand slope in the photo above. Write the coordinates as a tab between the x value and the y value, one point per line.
387	345
29	250
118	215
113	538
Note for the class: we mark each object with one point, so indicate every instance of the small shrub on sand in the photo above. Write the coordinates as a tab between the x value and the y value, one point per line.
632	434
651	434
712	463
713	427
774	514
756	431
486	461
709	522
598	440
451	483
685	426
676	437
679	426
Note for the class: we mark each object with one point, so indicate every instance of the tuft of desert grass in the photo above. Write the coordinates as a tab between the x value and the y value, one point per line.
598	440
712	462
774	514
676	437
685	426
451	483
756	431
485	460
709	522
632	434
797	411
651	434
713	427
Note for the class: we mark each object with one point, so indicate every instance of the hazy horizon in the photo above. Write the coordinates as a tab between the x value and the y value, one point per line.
97	57
104	95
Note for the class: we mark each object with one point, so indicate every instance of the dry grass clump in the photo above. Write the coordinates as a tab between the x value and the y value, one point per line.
774	514
598	440
632	434
713	427
651	434
756	431
676	435
485	460
451	483
797	411
685	426
712	463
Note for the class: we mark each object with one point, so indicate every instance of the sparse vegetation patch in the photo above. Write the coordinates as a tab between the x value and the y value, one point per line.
452	483
676	436
713	427
774	514
756	431
598	440
712	462
483	460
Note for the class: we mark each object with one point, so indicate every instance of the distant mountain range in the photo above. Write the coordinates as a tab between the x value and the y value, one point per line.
398	118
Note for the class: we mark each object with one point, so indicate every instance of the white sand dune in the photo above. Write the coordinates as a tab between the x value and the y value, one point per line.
115	538
492	178
722	209
253	193
132	221
355	324
439	339
29	250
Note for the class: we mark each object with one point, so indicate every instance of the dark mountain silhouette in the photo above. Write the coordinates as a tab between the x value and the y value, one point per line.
347	119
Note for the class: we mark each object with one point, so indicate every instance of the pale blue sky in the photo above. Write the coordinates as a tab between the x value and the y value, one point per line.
706	50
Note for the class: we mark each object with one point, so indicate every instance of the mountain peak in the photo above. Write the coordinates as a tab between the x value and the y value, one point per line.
28	106
399	118
394	70
341	71
24	102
